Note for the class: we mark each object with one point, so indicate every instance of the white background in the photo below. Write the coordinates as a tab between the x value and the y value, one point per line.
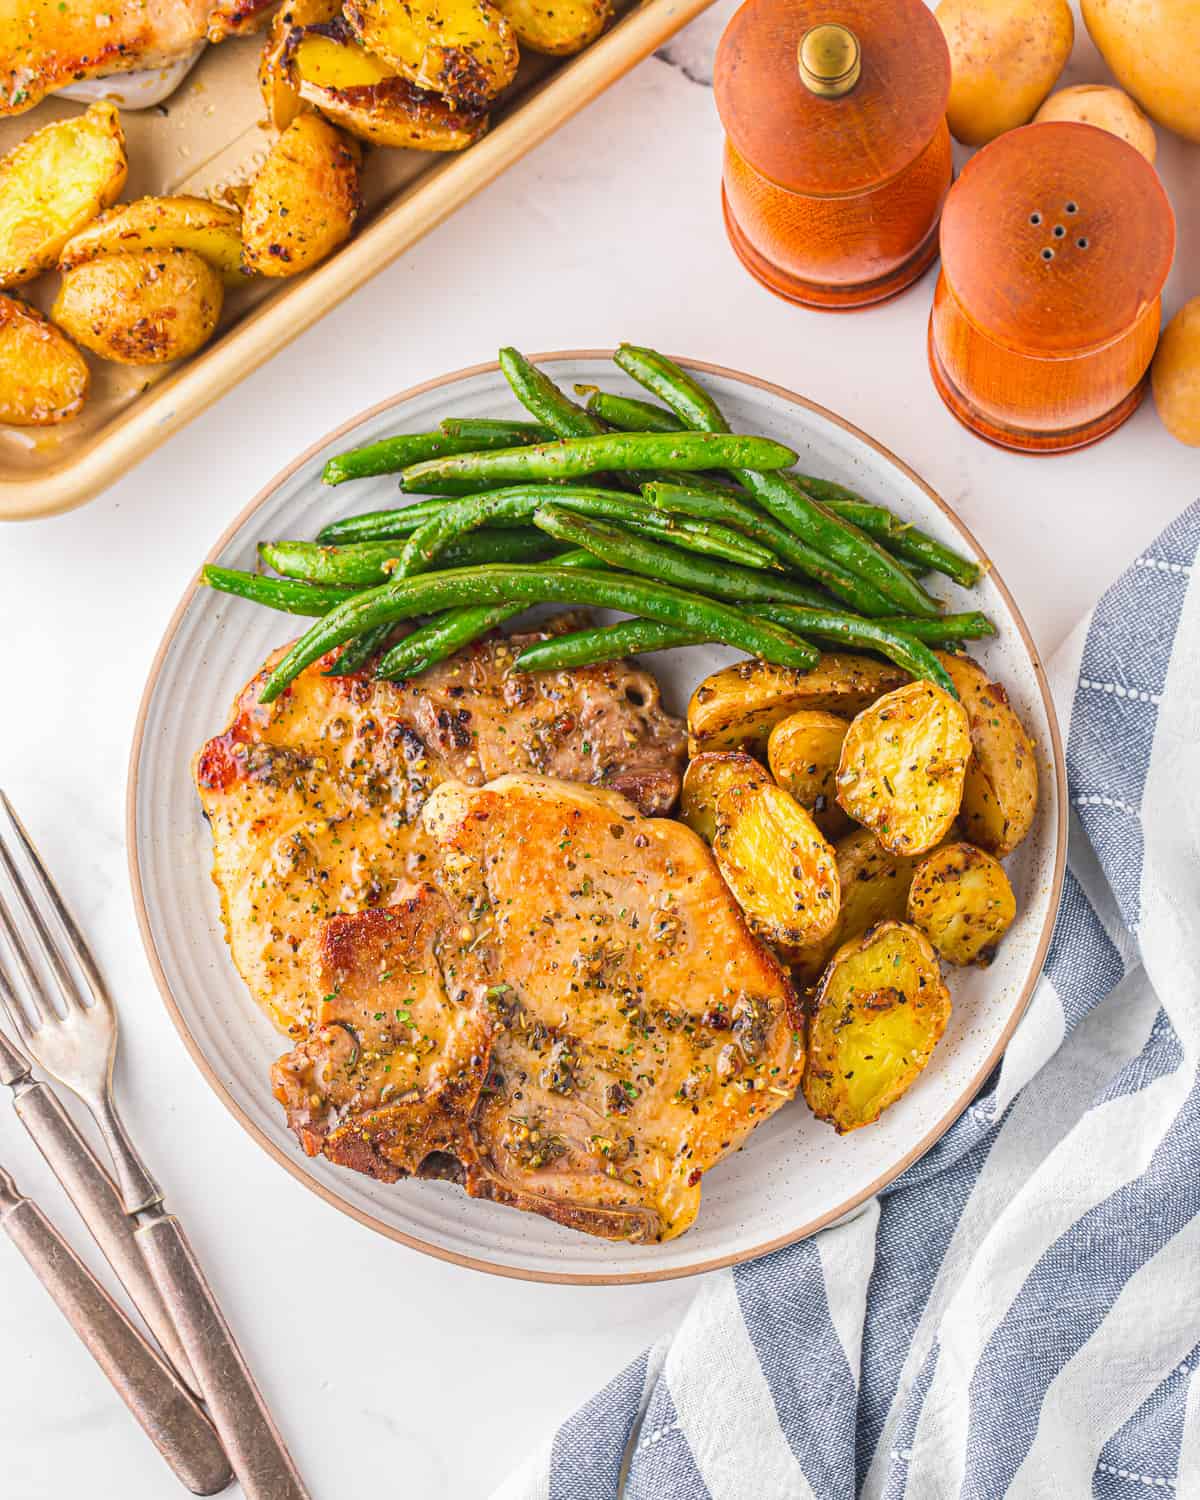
393	1374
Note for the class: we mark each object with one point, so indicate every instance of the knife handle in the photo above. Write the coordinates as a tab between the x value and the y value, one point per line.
162	1406
91	1190
256	1450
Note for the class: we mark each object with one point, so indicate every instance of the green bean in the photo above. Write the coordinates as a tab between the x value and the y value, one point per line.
354	656
843	584
364	564
393	453
378	525
538	394
284	594
945	630
543	584
905	541
483	428
702	536
679	451
627	413
780	494
846	630
582	648
621	549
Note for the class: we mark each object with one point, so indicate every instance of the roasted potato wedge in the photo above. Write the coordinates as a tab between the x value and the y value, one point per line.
803	752
463	49
366	97
275	81
880	1011
141	308
706	778
43	377
736	708
52	184
303	201
212	230
961	899
1000	794
903	764
556	27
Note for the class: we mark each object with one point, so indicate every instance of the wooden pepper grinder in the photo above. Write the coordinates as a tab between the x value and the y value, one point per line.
1056	242
837	155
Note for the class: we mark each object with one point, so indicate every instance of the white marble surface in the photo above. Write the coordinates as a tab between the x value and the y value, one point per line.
391	1373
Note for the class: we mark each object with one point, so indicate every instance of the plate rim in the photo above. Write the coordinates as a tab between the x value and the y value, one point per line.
591	1278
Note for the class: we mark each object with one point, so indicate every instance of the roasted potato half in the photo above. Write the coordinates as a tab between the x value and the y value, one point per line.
275	81
303	201
961	899
212	230
803	752
370	100
463	49
141	308
879	1012
736	708
556	27
52	184
1000	794
706	778
43	377
903	764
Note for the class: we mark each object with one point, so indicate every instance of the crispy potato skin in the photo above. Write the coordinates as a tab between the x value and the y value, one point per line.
1000	793
736	708
52	184
556	27
879	1012
275	82
961	899
903	764
462	49
43	377
212	230
303	203
803	752
143	308
706	778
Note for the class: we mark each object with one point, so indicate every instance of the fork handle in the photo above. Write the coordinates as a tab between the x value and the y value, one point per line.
256	1450
166	1412
91	1190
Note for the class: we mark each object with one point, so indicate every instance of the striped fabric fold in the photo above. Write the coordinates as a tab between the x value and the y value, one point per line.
1018	1315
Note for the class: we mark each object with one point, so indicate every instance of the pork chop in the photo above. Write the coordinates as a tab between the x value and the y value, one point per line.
314	800
571	1016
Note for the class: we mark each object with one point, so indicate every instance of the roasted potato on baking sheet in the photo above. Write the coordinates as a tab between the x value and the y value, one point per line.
1000	794
556	27
463	49
303	201
275	81
903	763
737	707
879	1012
212	230
961	899
43	377
803	752
52	184
142	308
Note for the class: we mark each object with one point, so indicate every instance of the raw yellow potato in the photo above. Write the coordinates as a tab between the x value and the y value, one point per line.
303	201
1175	374
556	27
43	377
1005	57
738	707
212	230
141	308
275	82
803	751
1000	793
464	49
706	778
364	96
1153	49
903	764
52	184
1108	109
878	1014
961	899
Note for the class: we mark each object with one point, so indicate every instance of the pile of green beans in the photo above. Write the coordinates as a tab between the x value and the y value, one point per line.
611	502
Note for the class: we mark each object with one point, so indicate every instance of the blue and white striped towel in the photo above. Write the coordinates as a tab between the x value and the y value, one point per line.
1019	1314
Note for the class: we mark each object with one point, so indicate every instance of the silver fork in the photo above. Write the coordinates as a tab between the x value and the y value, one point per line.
78	1047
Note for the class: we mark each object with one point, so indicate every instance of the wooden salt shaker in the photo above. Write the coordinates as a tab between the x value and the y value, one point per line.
837	155
1056	241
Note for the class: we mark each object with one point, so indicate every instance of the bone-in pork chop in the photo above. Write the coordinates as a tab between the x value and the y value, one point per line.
314	800
571	1016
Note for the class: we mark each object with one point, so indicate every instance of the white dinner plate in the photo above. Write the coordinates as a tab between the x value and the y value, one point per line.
794	1175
